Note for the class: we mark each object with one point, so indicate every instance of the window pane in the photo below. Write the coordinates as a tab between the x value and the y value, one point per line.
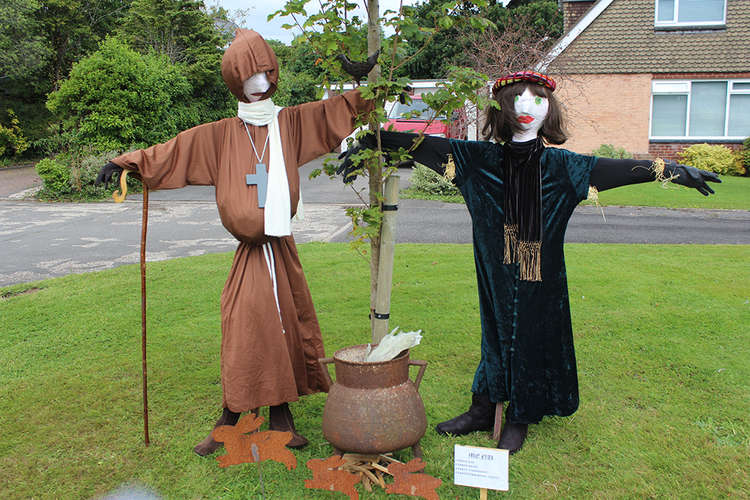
741	86
707	108
669	115
739	115
691	11
666	10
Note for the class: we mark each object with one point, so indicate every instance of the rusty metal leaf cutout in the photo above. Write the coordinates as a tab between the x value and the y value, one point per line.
408	483
327	476
239	439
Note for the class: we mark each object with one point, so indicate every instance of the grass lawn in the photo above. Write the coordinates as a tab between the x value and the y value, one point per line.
733	193
662	346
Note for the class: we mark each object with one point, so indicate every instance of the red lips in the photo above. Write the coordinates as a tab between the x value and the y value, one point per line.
525	119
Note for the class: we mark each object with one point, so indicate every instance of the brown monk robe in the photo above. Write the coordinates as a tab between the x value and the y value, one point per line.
269	350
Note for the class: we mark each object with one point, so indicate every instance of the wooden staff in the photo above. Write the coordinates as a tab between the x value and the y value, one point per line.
119	197
144	225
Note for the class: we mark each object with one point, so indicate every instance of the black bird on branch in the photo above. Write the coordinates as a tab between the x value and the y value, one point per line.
358	70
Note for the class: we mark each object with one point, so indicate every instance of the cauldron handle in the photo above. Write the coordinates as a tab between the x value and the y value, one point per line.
323	362
422	366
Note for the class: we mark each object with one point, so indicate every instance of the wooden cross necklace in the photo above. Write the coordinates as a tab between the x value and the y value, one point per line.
260	177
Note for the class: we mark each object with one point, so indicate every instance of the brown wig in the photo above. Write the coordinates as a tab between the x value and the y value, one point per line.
502	124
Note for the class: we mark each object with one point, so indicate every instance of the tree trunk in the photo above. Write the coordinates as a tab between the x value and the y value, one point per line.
385	271
375	170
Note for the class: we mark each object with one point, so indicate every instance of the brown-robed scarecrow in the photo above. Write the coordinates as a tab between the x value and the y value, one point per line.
271	340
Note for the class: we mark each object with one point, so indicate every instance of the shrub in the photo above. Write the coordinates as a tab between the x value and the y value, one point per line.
714	158
83	172
55	176
70	177
12	141
745	155
610	151
428	181
115	98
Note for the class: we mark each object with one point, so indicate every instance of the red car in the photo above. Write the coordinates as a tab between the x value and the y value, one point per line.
400	121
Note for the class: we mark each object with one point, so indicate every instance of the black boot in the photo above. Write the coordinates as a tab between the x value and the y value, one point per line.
280	419
209	445
513	436
480	417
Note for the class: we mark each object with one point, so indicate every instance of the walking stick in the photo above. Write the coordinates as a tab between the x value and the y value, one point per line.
144	225
119	197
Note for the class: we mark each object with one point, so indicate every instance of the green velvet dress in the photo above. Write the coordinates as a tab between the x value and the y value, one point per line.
527	339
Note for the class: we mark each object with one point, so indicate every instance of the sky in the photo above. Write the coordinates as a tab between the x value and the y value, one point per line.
260	9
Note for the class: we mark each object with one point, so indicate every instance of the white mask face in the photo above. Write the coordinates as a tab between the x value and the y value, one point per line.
531	110
255	86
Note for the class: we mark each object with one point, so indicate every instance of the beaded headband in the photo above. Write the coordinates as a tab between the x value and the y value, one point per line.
524	76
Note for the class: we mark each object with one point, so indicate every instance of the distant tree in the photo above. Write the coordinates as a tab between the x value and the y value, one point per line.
447	48
300	78
520	40
39	41
23	49
184	31
542	17
74	28
529	20
296	88
179	29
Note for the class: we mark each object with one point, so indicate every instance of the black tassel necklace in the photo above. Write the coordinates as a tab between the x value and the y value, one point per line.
522	178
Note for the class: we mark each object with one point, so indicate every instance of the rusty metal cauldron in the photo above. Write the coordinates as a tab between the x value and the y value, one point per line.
373	408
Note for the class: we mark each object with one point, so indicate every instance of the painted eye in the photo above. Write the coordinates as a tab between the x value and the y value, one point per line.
538	101
515	99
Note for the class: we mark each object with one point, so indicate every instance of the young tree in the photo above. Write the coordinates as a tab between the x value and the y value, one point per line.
335	30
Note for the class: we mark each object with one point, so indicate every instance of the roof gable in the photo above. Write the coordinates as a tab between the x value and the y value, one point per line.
571	35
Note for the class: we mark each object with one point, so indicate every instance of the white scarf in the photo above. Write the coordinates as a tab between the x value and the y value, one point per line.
278	206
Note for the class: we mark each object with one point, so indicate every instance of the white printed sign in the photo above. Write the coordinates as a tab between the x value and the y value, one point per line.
480	467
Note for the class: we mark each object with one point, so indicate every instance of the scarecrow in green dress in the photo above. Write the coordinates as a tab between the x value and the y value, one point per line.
520	194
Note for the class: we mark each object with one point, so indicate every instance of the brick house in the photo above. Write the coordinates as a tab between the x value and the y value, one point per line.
654	76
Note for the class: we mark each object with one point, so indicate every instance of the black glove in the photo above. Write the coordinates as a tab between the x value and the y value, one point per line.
407	92
346	168
690	177
106	173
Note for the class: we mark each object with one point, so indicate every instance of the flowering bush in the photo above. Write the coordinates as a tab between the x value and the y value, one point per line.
714	158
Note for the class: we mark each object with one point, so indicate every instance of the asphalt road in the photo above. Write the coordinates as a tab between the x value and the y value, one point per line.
44	240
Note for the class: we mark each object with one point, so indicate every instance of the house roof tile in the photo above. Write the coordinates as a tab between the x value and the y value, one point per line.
622	39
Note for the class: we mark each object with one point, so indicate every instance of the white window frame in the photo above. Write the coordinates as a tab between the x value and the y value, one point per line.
684	87
675	23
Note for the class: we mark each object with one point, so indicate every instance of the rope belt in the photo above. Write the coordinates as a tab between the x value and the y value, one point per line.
271	264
